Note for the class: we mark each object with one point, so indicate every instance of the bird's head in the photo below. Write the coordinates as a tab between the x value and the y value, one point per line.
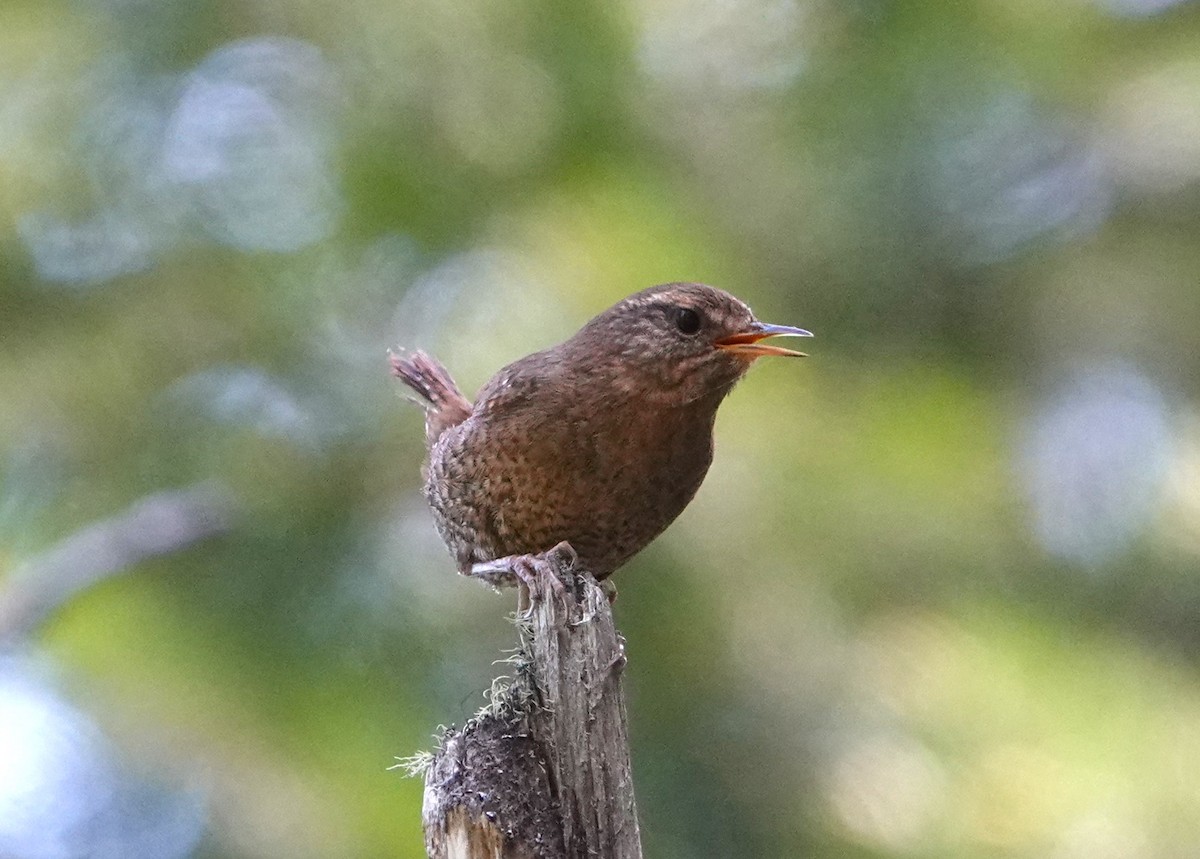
682	341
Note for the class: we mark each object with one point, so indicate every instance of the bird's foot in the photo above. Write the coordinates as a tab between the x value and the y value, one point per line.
538	572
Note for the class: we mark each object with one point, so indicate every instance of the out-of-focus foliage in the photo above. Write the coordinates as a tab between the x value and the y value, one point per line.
940	596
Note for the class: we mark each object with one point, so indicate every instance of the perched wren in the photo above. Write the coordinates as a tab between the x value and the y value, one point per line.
590	449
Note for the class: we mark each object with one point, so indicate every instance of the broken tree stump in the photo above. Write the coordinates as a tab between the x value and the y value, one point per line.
544	771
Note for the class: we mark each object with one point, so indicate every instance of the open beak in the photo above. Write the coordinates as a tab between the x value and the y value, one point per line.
746	343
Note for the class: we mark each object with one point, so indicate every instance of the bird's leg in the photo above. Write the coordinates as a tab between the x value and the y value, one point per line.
529	570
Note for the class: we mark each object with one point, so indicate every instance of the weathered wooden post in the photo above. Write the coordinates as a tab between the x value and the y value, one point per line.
544	772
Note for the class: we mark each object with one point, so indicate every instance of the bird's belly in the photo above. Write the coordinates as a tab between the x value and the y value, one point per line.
607	498
617	513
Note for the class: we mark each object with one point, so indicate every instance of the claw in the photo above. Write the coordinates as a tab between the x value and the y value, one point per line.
537	572
526	568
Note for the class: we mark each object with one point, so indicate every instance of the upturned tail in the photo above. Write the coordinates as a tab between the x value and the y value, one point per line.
444	404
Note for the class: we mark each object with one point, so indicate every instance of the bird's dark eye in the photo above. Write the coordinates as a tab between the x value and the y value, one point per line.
687	320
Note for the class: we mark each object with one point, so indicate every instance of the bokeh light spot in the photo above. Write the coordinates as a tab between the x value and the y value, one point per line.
1094	462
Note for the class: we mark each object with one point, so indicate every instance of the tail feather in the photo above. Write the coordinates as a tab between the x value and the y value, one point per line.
435	390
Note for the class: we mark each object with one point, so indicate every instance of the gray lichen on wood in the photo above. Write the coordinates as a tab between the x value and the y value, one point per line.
544	771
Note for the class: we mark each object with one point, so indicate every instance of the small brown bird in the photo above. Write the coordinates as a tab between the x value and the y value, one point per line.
590	449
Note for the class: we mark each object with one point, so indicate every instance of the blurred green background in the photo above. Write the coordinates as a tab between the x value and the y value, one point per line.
940	594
